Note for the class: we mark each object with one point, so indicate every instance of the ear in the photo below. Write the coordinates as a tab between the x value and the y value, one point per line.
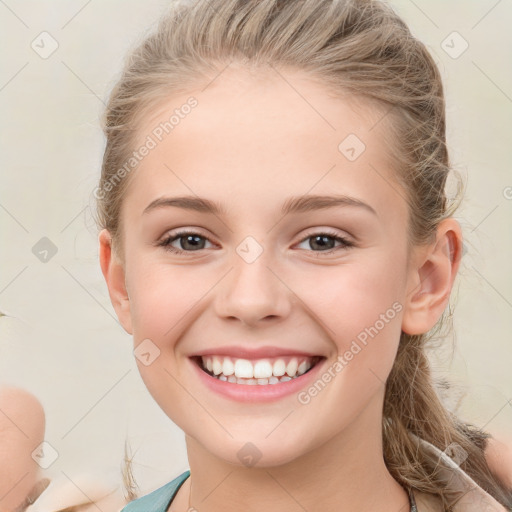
114	274
432	273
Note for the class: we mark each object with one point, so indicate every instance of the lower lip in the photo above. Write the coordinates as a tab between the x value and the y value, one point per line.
258	392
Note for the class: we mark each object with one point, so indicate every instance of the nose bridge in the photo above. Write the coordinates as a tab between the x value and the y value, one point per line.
252	292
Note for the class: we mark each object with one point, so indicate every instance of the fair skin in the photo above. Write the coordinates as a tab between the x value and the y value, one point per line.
249	145
22	425
22	480
499	457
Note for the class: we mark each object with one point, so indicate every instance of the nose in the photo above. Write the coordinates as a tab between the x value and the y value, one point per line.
253	293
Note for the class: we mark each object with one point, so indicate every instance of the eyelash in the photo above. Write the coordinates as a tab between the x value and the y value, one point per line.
166	242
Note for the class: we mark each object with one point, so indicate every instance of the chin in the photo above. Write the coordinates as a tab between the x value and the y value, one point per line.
254	451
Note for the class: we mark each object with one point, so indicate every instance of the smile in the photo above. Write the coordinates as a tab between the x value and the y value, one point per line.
256	372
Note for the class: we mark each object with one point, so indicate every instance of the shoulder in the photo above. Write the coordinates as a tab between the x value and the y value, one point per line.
158	500
499	458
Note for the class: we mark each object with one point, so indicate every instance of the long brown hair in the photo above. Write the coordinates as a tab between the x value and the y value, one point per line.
357	46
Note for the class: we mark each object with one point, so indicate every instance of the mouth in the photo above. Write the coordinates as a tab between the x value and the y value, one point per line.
258	372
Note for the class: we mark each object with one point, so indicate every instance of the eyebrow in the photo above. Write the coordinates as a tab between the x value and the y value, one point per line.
299	204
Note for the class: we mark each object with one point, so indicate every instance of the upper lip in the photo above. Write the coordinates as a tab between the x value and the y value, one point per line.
254	353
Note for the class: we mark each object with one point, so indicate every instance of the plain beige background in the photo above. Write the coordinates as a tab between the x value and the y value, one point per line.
62	340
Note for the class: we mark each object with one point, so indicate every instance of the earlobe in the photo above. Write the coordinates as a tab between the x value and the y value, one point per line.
431	279
114	274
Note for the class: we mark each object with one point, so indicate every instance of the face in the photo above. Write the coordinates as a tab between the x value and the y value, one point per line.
304	257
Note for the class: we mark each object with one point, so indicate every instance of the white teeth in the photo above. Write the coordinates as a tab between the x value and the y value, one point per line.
244	369
261	372
303	367
216	365
279	368
291	368
228	368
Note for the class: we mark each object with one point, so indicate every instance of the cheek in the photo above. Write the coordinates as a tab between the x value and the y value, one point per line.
356	290
162	300
161	297
360	307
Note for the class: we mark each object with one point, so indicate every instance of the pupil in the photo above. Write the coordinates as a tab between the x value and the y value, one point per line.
190	239
321	239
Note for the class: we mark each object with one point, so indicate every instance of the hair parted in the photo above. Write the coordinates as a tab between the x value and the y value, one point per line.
357	48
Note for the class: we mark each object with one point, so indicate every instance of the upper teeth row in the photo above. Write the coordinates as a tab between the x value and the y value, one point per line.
261	369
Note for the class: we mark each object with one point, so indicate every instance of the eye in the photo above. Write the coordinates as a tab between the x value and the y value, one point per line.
189	241
325	240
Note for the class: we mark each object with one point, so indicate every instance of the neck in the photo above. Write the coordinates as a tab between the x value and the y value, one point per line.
346	473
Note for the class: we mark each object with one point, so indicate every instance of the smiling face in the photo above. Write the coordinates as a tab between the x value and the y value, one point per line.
290	241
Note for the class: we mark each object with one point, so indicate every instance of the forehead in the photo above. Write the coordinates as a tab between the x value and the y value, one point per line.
252	138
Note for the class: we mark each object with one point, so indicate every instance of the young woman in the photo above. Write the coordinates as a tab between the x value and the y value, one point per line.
277	238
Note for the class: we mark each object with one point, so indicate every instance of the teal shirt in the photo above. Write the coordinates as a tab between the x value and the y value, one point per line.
159	500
